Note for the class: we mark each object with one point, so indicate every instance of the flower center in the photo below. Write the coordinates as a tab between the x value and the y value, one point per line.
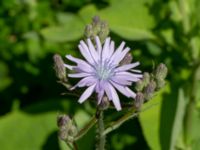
104	70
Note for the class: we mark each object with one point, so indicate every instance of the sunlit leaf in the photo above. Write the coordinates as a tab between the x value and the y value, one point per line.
88	12
71	29
130	19
150	120
26	131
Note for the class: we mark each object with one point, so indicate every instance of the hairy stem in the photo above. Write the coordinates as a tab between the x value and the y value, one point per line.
101	137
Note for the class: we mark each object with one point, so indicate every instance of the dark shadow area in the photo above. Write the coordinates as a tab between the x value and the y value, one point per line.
131	128
52	142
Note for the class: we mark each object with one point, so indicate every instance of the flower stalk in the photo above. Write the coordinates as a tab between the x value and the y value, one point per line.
101	138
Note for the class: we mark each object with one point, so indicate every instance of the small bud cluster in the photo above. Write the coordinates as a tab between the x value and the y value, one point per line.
67	128
97	28
150	84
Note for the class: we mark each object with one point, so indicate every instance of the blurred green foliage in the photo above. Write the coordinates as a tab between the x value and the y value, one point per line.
157	31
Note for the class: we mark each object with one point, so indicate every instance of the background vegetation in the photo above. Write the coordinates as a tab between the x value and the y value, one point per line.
156	30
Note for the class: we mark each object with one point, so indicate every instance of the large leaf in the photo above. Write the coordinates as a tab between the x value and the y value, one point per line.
22	131
130	19
70	29
36	129
173	108
150	120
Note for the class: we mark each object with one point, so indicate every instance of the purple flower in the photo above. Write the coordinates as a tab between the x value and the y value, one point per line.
101	71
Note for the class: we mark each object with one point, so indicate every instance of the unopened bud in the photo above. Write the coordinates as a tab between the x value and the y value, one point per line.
160	84
146	78
97	28
59	67
149	90
88	31
62	120
105	103
139	100
67	128
127	59
139	86
104	32
95	20
161	72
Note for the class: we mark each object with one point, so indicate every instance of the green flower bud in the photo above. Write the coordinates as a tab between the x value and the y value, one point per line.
146	78
67	128
161	72
160	84
104	32
59	67
88	31
139	86
149	90
97	28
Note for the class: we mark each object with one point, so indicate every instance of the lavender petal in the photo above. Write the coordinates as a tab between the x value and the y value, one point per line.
87	93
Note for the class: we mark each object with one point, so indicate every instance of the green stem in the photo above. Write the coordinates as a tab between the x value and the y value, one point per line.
191	106
131	114
101	137
119	122
83	131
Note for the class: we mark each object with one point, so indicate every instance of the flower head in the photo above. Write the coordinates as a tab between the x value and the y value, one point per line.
101	71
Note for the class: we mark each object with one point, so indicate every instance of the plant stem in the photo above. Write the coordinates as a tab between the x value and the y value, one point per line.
131	114
101	137
84	130
191	106
119	122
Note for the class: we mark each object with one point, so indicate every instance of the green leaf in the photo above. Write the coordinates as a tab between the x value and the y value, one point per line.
150	120
178	119
130	19
88	12
21	131
36	128
71	29
173	109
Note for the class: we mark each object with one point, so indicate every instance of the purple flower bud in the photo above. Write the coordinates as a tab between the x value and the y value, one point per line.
149	90
127	59
139	100
62	120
